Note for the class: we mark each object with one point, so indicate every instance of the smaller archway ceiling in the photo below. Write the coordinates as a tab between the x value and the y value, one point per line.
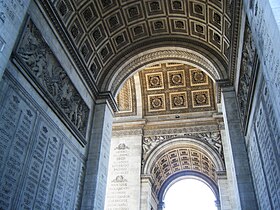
99	33
168	88
182	159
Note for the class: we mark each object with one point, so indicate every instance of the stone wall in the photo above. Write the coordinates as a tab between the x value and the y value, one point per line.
259	98
43	140
42	164
12	14
264	149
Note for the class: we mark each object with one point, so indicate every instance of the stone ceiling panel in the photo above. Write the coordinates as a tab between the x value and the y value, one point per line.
182	159
175	88
100	30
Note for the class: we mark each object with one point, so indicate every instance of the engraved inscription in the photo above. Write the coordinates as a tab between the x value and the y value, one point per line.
65	187
118	195
16	125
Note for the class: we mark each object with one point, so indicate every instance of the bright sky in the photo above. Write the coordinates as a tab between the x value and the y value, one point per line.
189	194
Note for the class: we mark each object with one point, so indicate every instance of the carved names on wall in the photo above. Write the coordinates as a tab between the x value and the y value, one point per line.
38	169
16	127
49	75
118	191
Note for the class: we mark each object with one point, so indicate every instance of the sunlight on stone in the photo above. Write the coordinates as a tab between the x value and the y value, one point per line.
189	194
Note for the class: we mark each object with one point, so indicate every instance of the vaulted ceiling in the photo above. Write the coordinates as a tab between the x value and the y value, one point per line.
102	34
167	88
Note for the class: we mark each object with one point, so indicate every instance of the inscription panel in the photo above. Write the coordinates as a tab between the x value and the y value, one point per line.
118	194
123	189
35	156
264	162
16	125
66	181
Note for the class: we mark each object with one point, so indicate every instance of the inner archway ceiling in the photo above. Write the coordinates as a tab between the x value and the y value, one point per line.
177	156
168	88
103	33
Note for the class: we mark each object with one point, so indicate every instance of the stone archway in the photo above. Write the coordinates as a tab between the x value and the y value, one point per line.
177	157
213	68
193	175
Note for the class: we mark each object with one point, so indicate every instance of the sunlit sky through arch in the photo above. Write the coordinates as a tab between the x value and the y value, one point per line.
189	194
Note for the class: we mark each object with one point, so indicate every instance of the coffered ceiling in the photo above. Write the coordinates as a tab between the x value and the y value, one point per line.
168	88
179	159
101	33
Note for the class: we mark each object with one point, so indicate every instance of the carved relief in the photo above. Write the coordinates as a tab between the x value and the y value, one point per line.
47	72
247	71
122	146
176	78
154	81
156	102
198	78
212	138
200	98
178	100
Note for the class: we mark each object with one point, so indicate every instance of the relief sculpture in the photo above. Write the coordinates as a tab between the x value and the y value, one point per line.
47	71
248	66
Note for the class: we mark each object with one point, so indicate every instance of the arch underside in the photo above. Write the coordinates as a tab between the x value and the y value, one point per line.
102	36
187	174
178	157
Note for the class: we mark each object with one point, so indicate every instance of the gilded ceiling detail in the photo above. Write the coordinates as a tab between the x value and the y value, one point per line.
179	159
126	99
175	88
99	30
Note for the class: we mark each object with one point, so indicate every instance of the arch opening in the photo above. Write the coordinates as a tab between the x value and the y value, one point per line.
189	192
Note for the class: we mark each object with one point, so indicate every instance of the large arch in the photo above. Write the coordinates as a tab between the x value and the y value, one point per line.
206	62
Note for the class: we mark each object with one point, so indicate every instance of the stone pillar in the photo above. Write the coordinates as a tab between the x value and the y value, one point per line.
225	192
12	15
146	192
123	184
238	158
98	157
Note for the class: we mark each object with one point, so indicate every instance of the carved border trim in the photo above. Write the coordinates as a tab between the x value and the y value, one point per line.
161	55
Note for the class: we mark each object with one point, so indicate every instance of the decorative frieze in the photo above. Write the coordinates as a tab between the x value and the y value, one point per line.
48	74
180	130
248	69
131	132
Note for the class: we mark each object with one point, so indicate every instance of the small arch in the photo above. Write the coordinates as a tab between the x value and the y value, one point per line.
181	142
188	174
